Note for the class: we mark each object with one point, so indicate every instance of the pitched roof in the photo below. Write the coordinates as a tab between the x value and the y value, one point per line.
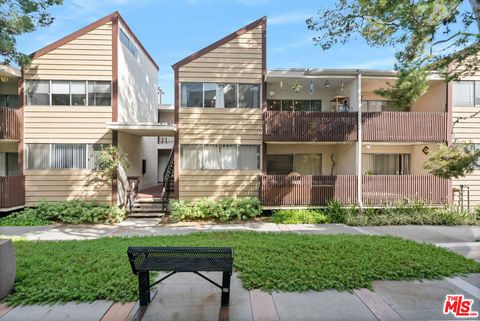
94	25
260	22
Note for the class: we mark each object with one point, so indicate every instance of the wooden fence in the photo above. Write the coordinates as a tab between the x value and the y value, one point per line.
10	126
310	126
377	190
12	191
404	126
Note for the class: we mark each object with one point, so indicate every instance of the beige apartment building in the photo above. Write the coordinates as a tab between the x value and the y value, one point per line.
292	137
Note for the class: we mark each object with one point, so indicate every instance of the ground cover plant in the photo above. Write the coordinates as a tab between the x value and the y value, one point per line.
87	270
413	213
223	210
71	212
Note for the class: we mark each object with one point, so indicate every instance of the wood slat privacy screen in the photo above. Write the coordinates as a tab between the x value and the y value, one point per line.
12	191
282	190
9	123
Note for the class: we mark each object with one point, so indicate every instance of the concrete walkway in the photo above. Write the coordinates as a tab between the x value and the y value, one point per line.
464	240
185	296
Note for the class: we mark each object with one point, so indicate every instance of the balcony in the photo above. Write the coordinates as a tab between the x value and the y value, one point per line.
404	126
378	190
10	124
303	126
289	126
12	192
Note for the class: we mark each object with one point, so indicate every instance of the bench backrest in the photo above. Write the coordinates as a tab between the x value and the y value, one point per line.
180	259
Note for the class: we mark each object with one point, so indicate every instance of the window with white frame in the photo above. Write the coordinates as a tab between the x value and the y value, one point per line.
128	43
215	156
63	156
69	93
466	93
219	95
386	164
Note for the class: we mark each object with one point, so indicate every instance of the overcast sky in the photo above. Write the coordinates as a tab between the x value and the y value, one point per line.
173	29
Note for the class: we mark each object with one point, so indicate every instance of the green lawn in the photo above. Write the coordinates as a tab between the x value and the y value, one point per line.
99	269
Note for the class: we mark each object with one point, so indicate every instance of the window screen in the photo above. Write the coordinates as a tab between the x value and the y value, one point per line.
38	92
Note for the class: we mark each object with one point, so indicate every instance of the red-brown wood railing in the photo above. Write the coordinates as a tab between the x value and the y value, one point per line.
310	126
282	190
10	126
12	191
397	126
383	189
377	190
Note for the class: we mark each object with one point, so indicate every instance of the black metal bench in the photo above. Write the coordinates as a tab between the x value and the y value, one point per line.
180	259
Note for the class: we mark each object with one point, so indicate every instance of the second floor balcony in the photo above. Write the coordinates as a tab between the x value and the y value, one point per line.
388	126
10	123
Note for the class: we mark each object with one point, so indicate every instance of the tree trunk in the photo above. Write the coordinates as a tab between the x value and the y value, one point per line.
476	10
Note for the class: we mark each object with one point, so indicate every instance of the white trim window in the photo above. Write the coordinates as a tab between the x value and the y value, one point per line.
220	95
63	156
68	93
215	156
466	93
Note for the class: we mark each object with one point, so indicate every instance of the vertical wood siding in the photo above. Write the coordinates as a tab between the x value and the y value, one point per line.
10	123
12	191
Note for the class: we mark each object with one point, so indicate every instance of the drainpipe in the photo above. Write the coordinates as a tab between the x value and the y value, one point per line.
359	141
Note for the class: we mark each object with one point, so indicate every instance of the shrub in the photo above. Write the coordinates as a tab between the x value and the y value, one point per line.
71	212
226	209
410	213
336	212
296	216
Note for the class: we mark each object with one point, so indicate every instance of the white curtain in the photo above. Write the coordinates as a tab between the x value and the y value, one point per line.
191	156
307	164
211	157
229	156
220	97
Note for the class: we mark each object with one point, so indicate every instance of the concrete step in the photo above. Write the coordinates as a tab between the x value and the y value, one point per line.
146	215
149	200
147	204
147	209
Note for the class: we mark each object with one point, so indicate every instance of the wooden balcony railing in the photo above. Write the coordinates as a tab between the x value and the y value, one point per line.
377	190
282	190
12	191
10	126
383	189
404	126
310	126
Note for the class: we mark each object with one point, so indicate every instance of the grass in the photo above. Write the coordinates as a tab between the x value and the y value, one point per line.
87	270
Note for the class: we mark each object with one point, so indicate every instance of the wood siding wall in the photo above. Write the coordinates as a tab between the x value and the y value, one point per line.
467	130
237	61
64	184
88	57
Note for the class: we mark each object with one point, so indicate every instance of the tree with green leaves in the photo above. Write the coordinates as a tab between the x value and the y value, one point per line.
18	17
439	37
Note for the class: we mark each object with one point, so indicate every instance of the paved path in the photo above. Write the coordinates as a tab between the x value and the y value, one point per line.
188	297
464	240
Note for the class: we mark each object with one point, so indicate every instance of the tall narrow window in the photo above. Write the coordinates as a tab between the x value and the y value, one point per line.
249	157
79	96
211	157
191	156
229	95
229	154
38	92
99	93
60	93
210	96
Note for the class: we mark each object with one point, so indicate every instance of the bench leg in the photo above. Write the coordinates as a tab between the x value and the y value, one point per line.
226	287
143	288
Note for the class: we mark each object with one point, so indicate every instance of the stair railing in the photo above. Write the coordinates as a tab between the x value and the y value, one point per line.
167	181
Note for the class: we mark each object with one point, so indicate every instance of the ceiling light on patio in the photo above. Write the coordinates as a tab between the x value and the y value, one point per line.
327	84
271	93
341	86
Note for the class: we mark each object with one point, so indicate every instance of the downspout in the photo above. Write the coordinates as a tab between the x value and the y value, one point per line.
359	141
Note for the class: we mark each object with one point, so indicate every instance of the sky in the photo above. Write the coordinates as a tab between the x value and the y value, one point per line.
170	30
